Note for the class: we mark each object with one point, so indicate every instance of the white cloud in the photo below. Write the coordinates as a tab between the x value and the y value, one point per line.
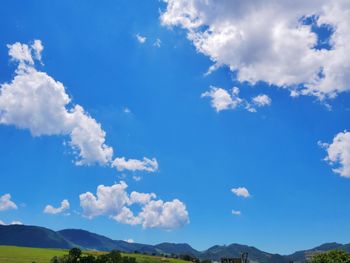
21	53
115	202
126	110
129	240
236	212
338	153
141	198
241	191
262	100
167	215
88	138
157	43
147	165
54	114
37	48
6	203
126	216
16	223
222	99
50	114
269	41
49	209
2	223
108	200
141	39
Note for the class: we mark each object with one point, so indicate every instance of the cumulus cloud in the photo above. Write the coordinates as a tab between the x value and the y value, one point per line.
168	215
236	212
262	100
21	53
147	165
6	203
37	48
271	41
126	216
52	112
49	209
222	99
129	240
141	198
115	202
338	153
108	200
241	192
141	39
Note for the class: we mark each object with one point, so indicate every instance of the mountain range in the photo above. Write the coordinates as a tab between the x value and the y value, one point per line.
35	236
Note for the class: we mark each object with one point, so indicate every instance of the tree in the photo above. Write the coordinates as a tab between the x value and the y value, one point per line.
75	253
115	256
87	259
103	259
334	256
75	256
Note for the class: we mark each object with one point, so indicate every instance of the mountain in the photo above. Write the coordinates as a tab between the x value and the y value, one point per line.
235	250
87	240
177	249
32	236
301	256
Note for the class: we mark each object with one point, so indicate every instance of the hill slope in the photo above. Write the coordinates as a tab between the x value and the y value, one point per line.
235	250
40	237
88	240
300	256
177	249
31	236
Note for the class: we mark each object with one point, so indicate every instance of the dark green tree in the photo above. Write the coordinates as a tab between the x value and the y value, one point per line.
103	259
75	253
334	256
115	256
87	259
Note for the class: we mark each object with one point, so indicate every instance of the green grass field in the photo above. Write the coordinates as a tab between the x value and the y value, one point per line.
10	254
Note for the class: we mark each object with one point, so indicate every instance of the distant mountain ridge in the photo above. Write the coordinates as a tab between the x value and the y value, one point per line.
34	236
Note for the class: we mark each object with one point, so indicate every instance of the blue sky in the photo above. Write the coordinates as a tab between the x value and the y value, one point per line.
296	201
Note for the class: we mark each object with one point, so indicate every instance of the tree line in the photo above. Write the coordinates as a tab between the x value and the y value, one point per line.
75	255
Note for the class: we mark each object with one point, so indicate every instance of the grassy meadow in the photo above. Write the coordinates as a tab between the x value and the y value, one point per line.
11	254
